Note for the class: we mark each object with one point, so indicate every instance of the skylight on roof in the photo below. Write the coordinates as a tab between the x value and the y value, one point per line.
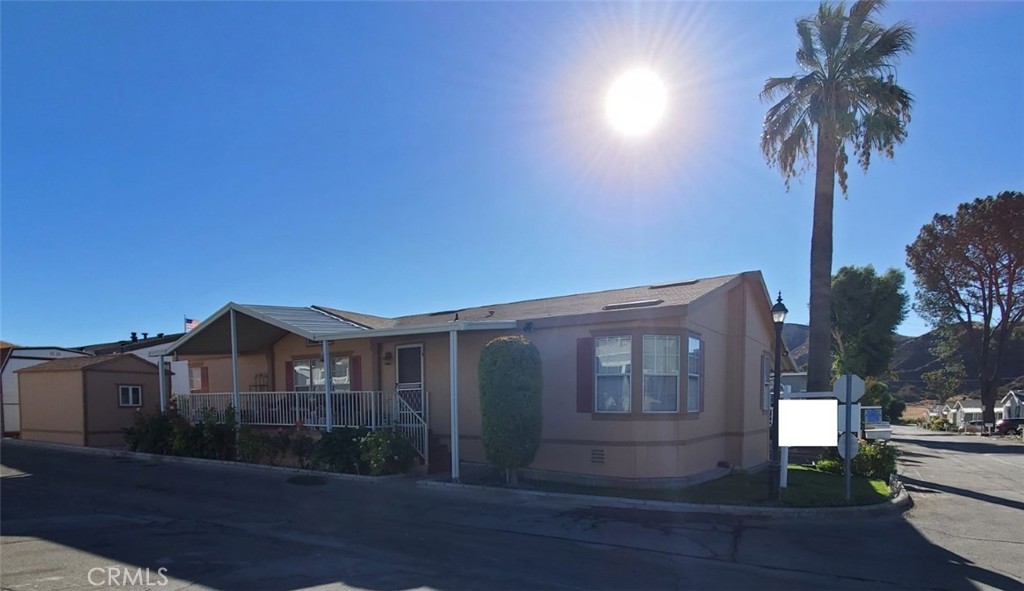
676	284
635	304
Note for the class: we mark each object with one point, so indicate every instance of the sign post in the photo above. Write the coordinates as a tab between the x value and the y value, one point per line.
848	391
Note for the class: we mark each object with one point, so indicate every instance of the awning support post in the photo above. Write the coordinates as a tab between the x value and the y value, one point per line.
234	367
453	369
163	387
327	385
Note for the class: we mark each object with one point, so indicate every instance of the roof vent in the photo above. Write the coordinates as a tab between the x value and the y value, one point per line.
636	304
676	284
446	312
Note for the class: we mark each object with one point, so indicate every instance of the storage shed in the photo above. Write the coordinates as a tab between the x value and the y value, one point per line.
87	400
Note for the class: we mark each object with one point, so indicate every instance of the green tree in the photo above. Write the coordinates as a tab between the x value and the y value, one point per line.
846	96
510	403
969	273
948	380
877	393
866	309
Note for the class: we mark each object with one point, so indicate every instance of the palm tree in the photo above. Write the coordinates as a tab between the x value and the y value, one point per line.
846	98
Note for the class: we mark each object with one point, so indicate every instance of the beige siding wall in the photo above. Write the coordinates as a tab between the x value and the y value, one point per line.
51	406
637	445
105	417
759	341
219	370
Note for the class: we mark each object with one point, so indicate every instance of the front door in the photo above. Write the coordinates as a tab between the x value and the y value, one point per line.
409	367
410	396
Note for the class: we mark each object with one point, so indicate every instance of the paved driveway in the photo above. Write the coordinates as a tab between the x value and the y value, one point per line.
968	495
64	514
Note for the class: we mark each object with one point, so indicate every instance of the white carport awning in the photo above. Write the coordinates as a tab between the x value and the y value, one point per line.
257	327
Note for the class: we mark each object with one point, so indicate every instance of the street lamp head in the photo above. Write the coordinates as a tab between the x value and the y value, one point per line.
779	311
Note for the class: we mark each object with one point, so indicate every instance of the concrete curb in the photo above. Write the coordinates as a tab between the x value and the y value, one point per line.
900	503
121	453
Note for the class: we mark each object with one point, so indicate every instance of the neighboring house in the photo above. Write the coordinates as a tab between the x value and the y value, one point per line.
86	400
965	411
652	382
142	346
795	380
1012	405
13	358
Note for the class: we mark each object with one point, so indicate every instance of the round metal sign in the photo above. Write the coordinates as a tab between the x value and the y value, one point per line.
848	444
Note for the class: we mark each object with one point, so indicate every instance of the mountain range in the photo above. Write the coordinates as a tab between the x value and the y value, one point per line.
913	357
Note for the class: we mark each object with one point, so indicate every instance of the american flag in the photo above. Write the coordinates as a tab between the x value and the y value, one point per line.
190	323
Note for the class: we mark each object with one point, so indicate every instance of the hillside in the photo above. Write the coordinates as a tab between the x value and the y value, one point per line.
912	358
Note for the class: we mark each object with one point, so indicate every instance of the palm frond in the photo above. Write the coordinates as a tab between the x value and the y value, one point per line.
774	86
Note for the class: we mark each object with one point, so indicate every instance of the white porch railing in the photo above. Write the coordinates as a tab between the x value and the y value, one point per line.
404	410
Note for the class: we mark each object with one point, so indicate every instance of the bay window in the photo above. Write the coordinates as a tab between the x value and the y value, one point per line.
694	374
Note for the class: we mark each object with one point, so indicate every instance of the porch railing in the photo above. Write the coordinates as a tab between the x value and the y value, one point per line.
404	410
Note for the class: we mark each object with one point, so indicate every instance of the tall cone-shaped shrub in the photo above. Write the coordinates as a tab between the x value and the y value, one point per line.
510	402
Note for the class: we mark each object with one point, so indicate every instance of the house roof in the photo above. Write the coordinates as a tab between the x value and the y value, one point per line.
258	326
129	345
1017	394
644	296
969	404
76	363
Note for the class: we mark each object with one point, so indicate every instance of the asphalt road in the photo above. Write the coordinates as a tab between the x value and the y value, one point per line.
68	517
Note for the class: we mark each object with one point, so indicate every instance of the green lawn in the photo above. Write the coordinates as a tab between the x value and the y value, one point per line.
807	488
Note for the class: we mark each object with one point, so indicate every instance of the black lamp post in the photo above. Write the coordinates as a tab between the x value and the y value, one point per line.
779	318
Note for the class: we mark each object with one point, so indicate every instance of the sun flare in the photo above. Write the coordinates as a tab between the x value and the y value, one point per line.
636	102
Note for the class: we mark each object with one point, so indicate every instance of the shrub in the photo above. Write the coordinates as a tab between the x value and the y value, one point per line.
253	446
510	402
278	445
209	438
339	451
303	447
150	433
830	465
386	451
876	459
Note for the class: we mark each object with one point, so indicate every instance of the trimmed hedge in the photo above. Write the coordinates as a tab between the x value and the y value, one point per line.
510	402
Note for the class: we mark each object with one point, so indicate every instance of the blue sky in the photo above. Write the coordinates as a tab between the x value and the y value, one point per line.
162	159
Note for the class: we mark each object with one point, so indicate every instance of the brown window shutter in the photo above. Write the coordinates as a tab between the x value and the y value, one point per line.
355	373
205	379
585	375
289	376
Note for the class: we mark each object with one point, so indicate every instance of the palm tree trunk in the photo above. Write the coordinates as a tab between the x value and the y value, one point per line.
819	358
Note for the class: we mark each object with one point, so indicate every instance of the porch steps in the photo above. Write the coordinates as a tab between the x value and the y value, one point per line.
440	455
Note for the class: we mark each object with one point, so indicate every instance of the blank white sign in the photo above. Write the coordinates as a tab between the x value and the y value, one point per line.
807	423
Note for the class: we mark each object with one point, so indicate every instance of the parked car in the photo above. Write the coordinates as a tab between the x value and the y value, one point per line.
977	426
1007	426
